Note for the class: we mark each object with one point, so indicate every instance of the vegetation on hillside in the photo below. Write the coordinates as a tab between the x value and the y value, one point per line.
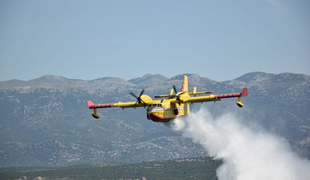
189	168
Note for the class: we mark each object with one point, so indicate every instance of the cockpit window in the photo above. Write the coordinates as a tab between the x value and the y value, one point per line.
155	105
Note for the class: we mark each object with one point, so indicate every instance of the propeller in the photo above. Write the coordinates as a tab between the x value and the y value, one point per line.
139	100
177	94
175	89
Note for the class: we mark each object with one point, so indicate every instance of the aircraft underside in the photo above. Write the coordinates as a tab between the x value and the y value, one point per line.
157	118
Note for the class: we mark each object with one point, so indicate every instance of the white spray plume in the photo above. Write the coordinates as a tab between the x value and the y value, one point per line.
247	153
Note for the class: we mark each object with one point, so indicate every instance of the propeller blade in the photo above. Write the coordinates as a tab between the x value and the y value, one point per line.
178	96
141	92
134	95
171	97
175	89
139	100
181	93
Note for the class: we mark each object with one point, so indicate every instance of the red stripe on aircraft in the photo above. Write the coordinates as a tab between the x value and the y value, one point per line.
93	106
156	118
227	95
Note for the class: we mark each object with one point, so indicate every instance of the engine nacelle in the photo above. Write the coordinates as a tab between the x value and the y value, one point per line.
146	99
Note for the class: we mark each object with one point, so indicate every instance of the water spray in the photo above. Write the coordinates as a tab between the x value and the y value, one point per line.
247	153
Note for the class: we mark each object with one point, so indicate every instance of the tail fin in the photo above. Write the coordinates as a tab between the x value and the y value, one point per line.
185	84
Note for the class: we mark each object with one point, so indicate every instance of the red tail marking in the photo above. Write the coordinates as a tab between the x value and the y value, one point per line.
185	84
244	92
90	104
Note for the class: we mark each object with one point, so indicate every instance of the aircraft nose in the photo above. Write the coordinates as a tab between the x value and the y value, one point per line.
149	109
149	112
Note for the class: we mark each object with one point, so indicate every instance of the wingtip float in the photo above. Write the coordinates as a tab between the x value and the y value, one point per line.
175	105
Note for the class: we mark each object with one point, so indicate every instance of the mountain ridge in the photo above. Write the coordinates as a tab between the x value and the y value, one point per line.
252	76
48	122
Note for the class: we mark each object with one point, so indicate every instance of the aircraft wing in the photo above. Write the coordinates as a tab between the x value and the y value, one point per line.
122	105
142	101
218	97
135	104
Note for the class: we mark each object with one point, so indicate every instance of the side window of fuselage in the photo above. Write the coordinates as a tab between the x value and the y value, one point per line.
155	105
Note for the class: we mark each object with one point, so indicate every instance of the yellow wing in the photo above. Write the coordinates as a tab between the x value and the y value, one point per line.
144	100
217	97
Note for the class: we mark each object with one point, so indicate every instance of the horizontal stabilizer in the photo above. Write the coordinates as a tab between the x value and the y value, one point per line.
203	92
193	93
162	96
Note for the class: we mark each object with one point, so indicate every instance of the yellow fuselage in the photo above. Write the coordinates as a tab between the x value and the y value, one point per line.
164	110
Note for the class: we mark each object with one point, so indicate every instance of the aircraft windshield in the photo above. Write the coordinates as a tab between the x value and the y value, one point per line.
155	105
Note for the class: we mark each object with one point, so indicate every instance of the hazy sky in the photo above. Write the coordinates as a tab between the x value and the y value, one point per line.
219	39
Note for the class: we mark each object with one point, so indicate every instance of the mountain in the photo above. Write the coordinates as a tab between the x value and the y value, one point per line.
46	122
149	80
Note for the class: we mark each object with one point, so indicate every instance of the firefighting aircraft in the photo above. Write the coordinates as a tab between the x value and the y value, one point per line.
175	105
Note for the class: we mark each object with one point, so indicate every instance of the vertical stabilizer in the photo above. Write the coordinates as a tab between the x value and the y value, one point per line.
185	84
